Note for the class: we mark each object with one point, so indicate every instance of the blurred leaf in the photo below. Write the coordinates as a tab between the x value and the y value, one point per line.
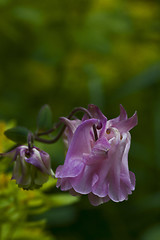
49	185
44	121
156	117
152	233
17	134
62	199
140	82
41	202
28	14
58	216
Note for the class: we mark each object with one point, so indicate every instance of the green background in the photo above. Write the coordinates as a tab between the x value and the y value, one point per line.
69	53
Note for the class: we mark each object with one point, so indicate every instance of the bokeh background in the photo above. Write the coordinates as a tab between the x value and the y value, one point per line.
69	53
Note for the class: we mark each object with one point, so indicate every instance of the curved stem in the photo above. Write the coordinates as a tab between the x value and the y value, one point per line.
50	130
52	140
78	109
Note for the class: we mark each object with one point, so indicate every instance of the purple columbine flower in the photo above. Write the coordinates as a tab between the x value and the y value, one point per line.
99	168
31	167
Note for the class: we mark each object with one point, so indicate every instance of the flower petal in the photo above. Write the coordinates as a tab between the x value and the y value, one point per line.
36	160
73	169
80	142
83	182
101	146
115	155
95	201
71	127
74	193
123	113
96	113
45	159
100	187
64	183
125	174
133	180
40	178
126	125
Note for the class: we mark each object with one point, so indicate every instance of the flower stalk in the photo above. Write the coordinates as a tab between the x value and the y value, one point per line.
55	139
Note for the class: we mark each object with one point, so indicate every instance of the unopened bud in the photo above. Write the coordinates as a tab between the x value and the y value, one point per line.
31	167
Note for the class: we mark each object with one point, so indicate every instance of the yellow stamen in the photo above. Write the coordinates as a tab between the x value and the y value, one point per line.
108	131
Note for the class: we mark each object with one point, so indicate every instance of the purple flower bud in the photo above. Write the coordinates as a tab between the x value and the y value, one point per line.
99	168
31	167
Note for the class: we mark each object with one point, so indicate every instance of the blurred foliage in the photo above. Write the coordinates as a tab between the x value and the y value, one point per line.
70	53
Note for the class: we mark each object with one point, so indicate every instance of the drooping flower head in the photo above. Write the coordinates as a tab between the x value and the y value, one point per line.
31	167
99	168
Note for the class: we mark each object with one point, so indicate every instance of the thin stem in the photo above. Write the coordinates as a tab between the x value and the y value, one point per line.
30	141
50	130
52	140
78	109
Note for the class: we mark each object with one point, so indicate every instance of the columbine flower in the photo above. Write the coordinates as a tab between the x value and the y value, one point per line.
31	167
99	168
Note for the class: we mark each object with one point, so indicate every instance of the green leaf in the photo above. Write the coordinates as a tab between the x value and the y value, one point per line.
44	121
61	199
17	134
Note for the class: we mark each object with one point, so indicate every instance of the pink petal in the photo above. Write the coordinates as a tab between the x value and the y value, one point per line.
46	159
100	187
101	146
70	170
83	183
74	193
96	113
36	161
133	180
64	183
123	113
71	127
98	153
95	200
115	155
126	125
80	142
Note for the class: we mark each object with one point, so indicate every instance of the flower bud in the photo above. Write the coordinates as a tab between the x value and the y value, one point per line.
31	167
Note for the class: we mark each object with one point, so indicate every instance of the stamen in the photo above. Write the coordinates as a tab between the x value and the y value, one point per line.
108	131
